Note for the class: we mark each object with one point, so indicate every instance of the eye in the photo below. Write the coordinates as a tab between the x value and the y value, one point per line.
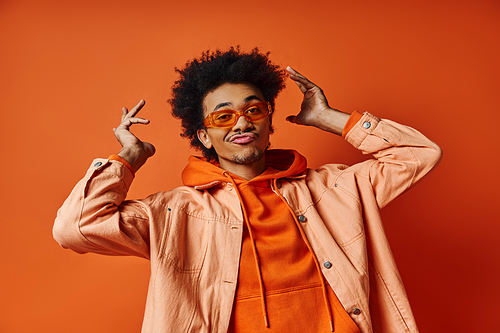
252	110
224	116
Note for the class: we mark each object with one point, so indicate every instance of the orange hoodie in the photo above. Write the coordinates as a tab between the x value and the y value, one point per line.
279	277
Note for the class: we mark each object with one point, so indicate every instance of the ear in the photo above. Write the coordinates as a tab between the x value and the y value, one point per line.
203	137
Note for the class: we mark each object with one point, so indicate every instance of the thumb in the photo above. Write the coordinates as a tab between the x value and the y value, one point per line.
150	149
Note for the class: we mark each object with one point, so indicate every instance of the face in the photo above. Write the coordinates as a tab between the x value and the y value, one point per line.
245	142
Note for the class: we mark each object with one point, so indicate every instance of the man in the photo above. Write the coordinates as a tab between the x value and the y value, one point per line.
255	241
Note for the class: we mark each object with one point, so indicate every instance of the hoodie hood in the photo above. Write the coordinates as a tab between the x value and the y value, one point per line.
202	174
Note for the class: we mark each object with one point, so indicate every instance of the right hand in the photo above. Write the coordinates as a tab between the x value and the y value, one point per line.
134	151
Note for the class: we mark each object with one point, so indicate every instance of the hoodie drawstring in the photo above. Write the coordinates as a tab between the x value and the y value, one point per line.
254	249
325	292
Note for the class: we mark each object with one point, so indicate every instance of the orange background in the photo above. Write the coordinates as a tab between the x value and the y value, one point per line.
67	68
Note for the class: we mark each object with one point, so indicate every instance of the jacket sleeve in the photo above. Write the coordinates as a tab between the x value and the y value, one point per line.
95	217
403	156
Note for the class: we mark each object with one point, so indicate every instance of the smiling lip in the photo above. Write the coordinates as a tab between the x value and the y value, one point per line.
243	138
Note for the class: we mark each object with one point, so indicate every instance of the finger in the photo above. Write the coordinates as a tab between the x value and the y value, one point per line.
301	87
124	113
297	76
302	82
295	73
136	108
130	121
295	79
291	119
291	70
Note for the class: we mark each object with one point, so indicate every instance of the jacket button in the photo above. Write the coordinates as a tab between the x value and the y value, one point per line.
302	218
98	164
356	311
367	124
327	264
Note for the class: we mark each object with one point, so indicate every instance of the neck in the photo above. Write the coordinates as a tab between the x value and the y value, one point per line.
245	171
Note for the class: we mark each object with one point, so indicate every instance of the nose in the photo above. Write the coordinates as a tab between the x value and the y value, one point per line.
242	124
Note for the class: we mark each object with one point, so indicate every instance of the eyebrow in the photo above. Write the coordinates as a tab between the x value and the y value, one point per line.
246	100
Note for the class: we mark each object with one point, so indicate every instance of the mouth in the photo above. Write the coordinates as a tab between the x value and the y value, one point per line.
243	138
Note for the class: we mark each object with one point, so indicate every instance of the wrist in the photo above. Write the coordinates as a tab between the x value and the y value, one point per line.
133	156
332	120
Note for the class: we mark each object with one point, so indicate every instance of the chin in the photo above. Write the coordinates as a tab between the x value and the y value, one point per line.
249	158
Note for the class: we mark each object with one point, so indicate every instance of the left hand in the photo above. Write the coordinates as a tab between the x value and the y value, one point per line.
314	105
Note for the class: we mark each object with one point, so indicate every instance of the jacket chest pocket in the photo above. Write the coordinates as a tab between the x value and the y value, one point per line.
184	241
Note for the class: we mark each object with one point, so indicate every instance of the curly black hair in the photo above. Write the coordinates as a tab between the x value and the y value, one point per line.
213	69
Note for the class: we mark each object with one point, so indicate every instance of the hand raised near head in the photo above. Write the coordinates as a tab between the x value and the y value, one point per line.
314	110
134	151
313	104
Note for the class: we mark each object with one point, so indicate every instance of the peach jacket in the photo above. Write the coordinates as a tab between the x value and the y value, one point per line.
193	235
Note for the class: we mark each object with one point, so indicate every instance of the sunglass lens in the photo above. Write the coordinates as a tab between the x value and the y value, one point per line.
224	118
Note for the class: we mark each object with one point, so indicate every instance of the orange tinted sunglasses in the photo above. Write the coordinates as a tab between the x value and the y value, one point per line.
228	118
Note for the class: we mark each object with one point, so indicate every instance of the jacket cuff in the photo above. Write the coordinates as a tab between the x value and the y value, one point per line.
361	129
111	166
353	119
123	161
